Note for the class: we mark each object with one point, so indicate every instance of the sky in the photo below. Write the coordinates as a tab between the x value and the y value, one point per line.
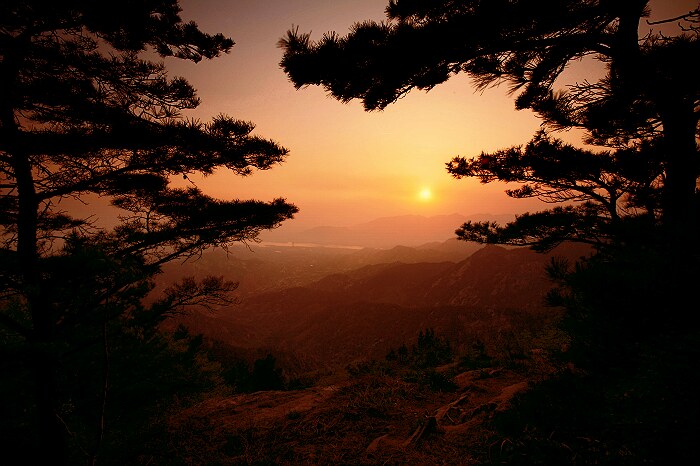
346	165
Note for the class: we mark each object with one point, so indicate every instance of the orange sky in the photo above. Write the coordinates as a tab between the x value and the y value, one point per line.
346	165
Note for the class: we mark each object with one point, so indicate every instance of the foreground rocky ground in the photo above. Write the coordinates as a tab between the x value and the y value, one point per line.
367	419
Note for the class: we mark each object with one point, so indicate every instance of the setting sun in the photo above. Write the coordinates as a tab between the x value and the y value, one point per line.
425	194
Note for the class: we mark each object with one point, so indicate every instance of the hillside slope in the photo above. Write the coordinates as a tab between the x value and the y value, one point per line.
365	312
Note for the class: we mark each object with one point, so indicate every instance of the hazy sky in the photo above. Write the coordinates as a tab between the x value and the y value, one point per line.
346	165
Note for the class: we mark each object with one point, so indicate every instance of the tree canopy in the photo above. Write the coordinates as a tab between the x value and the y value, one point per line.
601	191
634	197
647	95
87	109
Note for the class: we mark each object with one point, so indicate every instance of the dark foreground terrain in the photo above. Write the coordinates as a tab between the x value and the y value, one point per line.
370	419
329	370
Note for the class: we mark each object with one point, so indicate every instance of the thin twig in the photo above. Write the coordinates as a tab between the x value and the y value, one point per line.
695	12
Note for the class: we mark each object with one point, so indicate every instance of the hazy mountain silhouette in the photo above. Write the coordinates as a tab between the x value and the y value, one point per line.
385	232
260	267
364	312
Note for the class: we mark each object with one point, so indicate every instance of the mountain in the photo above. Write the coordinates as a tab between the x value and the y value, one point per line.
364	312
268	267
385	232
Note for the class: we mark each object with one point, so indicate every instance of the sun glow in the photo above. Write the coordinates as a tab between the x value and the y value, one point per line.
425	194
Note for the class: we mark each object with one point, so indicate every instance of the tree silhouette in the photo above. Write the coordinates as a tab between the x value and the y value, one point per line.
646	94
86	112
602	192
635	200
635	197
265	376
431	350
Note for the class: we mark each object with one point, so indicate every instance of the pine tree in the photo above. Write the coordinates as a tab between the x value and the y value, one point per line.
636	200
647	93
86	111
604	193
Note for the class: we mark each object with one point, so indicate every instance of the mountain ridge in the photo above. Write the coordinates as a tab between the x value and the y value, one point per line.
385	232
364	312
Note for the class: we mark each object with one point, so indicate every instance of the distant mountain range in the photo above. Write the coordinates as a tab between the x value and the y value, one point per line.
363	312
268	267
386	232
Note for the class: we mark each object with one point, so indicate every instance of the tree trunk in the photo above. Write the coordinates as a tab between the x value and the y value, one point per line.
52	442
676	109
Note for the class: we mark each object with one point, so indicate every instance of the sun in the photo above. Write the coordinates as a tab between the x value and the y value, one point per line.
425	194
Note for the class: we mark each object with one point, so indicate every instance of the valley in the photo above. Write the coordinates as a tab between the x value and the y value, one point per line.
325	308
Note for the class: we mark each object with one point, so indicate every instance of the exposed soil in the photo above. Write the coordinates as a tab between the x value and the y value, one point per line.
374	419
